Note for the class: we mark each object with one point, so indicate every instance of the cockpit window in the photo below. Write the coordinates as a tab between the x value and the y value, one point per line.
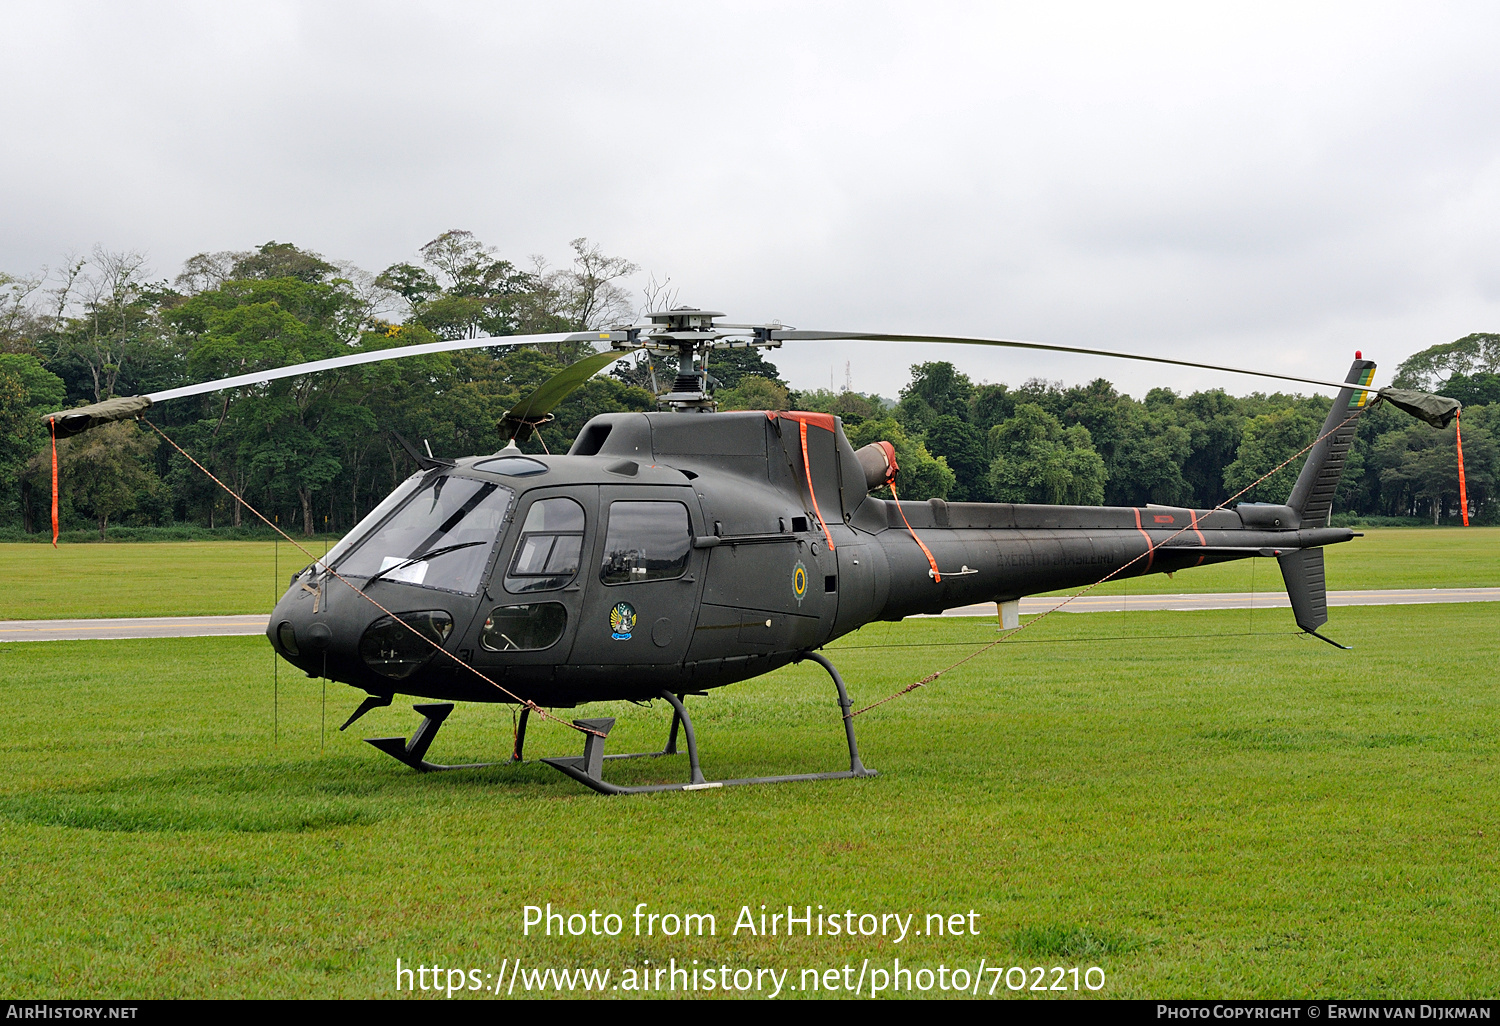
512	466
397	497
551	545
441	538
646	541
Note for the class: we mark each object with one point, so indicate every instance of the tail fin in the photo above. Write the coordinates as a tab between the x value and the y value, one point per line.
1312	495
1312	498
1302	570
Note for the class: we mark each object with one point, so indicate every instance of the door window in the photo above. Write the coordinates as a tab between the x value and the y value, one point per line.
550	547
524	628
646	541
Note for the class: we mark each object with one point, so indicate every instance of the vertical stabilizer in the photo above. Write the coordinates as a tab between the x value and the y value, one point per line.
1312	495
1302	570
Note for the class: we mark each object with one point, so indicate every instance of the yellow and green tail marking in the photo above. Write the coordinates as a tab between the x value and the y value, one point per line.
1359	399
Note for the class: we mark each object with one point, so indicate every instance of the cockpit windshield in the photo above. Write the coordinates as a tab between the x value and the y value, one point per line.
441	538
397	497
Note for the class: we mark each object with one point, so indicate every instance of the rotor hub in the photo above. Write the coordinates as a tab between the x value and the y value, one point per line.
689	333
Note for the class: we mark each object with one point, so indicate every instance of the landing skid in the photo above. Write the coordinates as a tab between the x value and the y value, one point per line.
587	768
411	752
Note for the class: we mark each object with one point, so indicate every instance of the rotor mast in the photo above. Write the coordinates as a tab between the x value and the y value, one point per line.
689	333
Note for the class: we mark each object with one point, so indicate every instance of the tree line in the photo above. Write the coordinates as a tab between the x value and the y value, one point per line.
318	452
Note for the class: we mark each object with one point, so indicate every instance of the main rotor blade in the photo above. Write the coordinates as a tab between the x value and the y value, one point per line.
378	355
788	335
556	388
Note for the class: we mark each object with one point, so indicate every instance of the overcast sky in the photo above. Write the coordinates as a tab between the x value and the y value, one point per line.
1260	185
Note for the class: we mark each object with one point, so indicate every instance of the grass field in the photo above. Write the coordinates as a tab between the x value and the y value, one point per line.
202	578
1199	816
146	578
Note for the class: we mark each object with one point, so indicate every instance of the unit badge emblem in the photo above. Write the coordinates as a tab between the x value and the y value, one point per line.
621	621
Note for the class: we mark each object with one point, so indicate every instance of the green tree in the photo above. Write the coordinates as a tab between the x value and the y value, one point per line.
1269	440
852	407
19	440
990	405
1479	389
19	323
1037	459
921	475
936	389
282	436
1142	445
281	260
464	290
729	367
27	391
103	472
1431	369
115	332
754	393
964	450
1420	465
589	290
1215	426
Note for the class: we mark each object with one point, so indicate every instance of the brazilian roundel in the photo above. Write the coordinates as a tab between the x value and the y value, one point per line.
622	621
799	581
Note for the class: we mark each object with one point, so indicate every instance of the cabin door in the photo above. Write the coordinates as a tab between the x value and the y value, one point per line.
640	600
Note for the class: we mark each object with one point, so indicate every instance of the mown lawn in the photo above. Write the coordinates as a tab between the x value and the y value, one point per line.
146	578
1195	810
202	578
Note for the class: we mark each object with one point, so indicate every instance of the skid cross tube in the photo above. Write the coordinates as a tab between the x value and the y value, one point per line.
678	714
586	769
520	745
856	767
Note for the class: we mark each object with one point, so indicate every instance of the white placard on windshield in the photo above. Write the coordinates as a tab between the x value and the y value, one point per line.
413	574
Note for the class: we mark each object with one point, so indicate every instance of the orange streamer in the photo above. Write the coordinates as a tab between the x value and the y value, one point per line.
936	576
807	466
1463	487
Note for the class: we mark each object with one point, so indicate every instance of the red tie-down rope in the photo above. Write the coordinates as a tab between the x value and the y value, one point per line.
1463	487
891	467
807	466
802	419
353	587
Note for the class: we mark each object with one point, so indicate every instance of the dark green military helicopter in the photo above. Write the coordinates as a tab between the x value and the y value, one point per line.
670	553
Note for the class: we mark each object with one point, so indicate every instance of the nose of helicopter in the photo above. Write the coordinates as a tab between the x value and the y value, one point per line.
299	629
354	642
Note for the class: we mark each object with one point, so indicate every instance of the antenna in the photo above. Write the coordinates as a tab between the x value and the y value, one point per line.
848	376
